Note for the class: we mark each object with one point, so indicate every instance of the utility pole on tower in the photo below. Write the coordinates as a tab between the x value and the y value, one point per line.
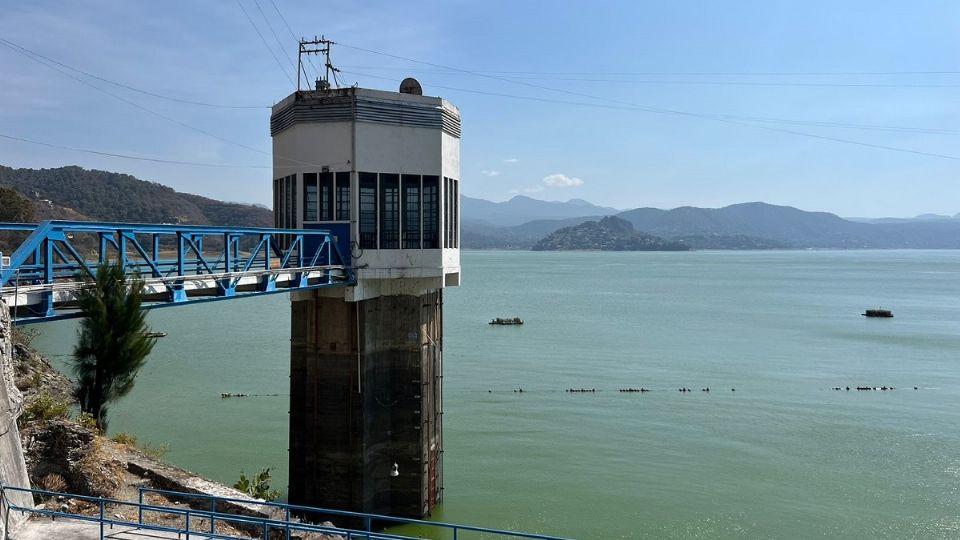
318	46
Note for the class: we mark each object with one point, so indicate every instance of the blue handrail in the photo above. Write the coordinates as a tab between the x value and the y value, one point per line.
265	524
367	518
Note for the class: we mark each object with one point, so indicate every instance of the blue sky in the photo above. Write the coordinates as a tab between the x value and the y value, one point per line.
623	104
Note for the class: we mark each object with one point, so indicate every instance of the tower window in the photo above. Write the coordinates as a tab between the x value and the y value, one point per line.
431	212
368	210
389	211
326	196
411	211
343	196
310	197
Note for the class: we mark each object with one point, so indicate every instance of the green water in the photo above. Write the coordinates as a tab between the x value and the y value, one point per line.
783	456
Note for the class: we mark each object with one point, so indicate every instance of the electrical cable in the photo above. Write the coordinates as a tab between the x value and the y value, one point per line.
275	59
660	110
127	156
270	26
294	36
691	73
15	46
42	61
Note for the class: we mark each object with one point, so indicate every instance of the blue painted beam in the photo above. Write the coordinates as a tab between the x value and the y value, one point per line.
53	260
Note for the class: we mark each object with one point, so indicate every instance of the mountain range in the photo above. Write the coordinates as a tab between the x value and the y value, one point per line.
82	194
754	225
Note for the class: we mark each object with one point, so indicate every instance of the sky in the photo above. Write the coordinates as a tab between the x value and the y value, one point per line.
847	107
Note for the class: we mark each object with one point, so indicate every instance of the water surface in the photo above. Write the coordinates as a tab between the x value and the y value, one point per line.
783	456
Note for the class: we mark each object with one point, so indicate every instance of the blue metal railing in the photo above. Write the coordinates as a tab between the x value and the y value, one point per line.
368	519
172	259
267	527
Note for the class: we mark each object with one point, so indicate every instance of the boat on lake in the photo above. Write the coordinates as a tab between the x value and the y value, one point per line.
156	334
883	313
507	321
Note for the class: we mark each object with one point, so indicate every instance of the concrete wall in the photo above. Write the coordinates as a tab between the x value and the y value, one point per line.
365	394
13	469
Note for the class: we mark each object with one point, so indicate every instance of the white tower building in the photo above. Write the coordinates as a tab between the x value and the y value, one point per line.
382	171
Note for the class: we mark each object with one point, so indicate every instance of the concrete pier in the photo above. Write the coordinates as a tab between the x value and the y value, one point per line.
365	392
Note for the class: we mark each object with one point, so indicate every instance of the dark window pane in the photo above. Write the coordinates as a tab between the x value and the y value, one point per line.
431	212
326	196
291	211
368	210
277	207
455	204
343	196
310	196
411	211
389	211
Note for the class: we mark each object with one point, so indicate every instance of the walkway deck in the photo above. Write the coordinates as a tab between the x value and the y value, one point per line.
45	529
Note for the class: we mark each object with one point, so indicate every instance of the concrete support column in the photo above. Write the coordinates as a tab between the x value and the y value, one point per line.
365	393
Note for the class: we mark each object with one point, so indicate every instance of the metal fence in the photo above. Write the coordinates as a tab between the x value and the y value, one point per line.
201	522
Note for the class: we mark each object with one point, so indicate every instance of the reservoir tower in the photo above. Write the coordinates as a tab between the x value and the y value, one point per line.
381	170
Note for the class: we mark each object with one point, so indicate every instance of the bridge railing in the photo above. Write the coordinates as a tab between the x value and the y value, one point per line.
456	531
202	522
176	262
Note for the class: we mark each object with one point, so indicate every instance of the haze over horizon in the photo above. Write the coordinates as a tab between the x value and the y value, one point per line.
846	108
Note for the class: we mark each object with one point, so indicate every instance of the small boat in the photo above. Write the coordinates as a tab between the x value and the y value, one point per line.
884	313
506	322
156	334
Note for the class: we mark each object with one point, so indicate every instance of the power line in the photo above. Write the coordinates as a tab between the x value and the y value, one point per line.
294	36
141	107
657	110
729	119
15	46
869	127
38	59
690	73
136	158
275	59
270	26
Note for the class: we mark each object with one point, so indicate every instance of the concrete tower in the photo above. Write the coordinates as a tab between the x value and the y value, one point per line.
381	170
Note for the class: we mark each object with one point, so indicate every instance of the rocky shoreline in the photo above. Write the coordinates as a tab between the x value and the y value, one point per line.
67	455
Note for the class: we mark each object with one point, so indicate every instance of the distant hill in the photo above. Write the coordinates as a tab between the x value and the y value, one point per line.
520	209
609	234
754	225
81	194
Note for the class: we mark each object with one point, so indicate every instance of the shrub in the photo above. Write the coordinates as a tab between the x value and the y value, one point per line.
257	487
124	438
46	408
154	451
53	482
87	421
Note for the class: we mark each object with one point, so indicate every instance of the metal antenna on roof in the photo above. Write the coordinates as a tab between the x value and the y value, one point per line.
317	45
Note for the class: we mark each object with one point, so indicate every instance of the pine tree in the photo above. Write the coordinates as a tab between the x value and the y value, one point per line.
113	342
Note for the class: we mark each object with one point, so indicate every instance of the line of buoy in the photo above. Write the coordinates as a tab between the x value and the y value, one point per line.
225	395
862	388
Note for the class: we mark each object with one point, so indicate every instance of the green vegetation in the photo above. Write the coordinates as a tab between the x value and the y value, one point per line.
113	344
45	407
257	487
609	234
77	193
124	438
14	208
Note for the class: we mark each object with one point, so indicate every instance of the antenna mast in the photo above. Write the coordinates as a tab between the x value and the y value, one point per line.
319	45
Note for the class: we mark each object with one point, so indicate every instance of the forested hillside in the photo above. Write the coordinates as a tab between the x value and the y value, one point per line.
77	193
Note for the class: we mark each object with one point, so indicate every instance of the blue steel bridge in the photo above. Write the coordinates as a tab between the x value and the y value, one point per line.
178	263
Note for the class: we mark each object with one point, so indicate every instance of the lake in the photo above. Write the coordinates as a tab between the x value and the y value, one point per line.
781	456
